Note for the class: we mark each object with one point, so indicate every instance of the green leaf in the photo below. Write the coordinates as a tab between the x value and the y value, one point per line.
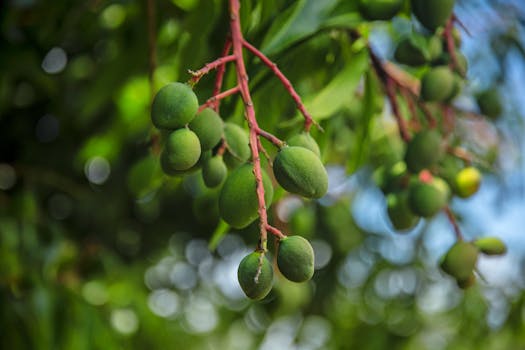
339	92
297	22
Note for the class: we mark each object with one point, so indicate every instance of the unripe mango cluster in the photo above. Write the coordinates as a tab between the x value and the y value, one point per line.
295	260
192	143
460	260
423	183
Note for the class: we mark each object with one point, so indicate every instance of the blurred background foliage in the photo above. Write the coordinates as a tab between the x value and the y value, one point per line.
99	251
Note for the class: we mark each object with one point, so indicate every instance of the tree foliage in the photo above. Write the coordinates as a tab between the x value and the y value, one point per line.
100	249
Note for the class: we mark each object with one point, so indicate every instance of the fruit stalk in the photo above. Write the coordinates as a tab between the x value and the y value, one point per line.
308	120
220	74
391	94
213	101
454	223
219	62
451	48
249	113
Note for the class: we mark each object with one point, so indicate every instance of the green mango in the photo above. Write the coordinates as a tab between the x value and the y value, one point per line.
298	170
174	106
491	245
432	13
208	126
214	171
399	213
238	202
437	84
424	150
238	150
427	199
182	149
255	287
380	9
489	103
305	140
295	258
460	260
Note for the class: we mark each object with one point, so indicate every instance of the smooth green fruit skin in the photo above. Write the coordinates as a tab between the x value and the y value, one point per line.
491	246
399	212
468	181
427	199
238	150
214	171
247	272
437	84
407	53
238	202
432	13
174	106
305	140
460	260
298	170
182	149
295	258
467	283
423	150
489	103
380	9
208	126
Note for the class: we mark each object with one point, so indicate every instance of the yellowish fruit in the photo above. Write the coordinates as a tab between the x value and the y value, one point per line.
468	181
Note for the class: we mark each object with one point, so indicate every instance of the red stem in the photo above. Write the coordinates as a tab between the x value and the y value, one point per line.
220	73
219	62
391	93
216	98
242	80
454	223
451	47
273	139
275	231
308	120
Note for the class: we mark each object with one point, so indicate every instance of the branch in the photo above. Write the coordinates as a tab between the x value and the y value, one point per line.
451	47
197	75
152	46
216	98
220	73
308	120
454	223
391	93
242	80
273	139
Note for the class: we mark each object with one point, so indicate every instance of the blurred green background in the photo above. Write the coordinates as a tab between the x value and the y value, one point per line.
98	250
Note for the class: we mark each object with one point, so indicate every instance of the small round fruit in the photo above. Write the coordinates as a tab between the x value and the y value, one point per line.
174	106
214	171
208	126
427	198
432	13
298	170
399	212
491	245
460	260
295	258
489	103
255	286
238	202
423	150
182	149
305	140
380	9
468	181
437	84
238	148
407	53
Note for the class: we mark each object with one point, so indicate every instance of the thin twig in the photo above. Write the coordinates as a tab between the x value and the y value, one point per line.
197	75
391	93
220	73
454	223
214	99
273	139
308	120
152	46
